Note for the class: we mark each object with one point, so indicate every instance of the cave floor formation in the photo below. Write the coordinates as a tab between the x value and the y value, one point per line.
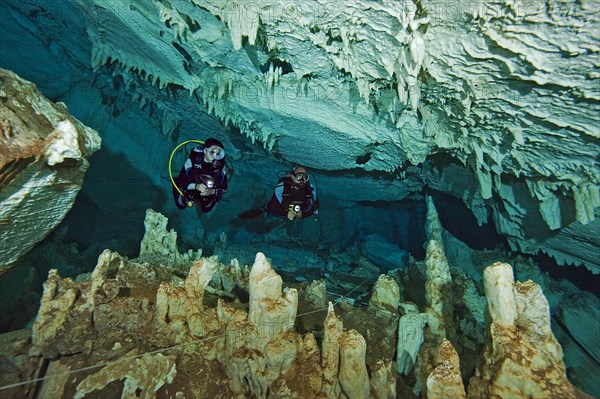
184	325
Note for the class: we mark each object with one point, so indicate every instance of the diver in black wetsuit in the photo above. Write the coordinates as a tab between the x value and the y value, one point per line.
294	197
202	179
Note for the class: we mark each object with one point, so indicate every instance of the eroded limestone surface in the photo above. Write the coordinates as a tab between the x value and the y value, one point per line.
43	159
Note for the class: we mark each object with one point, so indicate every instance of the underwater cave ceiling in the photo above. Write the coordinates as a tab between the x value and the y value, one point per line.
496	103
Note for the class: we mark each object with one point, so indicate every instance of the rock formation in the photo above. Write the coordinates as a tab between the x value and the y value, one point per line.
43	159
386	294
410	338
383	380
522	358
510	309
479	100
445	380
160	244
142	375
353	376
258	351
136	327
494	103
332	331
438	289
316	293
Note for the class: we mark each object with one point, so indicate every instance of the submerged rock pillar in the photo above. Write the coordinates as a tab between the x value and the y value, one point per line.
522	358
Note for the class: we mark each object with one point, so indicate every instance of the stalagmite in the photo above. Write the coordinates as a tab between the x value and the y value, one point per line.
383	380
330	358
201	272
499	288
180	309
129	311
386	294
160	244
107	261
56	303
438	289
316	293
522	358
353	376
269	311
445	380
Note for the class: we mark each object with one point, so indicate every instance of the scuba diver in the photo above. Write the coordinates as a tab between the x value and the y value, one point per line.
202	179
294	197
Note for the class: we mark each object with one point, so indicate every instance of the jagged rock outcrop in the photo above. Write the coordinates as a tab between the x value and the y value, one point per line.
149	328
569	306
522	358
143	376
509	306
160	244
43	159
180	310
510	132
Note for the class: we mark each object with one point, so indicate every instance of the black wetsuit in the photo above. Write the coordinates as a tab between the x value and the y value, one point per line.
196	171
287	194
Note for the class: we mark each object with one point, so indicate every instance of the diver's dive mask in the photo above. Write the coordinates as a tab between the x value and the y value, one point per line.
301	177
215	152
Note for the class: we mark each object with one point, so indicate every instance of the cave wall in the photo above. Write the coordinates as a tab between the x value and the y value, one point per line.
43	159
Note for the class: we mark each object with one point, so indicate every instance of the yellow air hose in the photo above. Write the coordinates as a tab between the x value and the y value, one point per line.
171	161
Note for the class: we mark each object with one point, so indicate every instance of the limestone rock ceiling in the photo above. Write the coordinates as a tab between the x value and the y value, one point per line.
502	86
495	102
